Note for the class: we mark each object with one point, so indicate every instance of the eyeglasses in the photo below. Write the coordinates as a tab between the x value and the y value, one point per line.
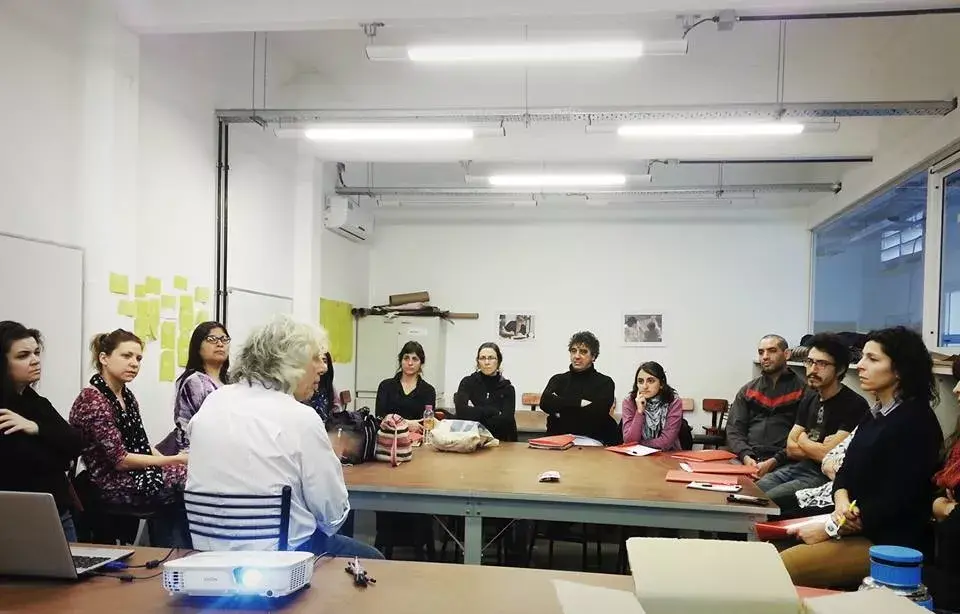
820	364
487	358
215	340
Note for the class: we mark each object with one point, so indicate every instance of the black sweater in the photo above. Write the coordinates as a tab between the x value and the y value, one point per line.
491	401
561	400
392	400
888	471
38	463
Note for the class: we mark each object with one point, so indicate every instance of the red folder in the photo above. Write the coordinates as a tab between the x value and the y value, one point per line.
705	455
780	529
679	475
724	468
553	442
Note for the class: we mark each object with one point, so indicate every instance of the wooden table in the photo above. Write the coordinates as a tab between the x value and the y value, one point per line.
596	486
402	588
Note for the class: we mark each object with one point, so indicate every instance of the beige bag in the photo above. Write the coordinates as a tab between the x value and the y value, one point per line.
462	436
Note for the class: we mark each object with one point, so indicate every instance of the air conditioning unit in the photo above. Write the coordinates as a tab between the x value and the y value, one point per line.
348	219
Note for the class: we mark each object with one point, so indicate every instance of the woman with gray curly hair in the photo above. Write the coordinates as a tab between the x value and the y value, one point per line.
255	436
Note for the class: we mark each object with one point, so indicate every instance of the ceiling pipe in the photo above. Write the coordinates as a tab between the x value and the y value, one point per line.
772	188
851	15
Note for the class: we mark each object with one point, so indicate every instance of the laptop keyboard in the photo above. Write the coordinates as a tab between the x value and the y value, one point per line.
83	562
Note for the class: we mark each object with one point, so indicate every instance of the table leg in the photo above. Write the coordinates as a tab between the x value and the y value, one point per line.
472	540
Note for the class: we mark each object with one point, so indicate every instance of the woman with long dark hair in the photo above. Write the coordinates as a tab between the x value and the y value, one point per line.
882	492
406	393
325	400
36	443
208	362
653	412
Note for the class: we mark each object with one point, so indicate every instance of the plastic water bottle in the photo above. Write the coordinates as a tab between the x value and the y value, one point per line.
898	569
429	421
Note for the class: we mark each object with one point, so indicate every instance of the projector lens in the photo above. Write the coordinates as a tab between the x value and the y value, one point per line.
250	578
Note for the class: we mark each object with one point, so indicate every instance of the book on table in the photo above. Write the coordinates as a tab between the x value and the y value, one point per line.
633	449
552	442
704	455
724	468
781	529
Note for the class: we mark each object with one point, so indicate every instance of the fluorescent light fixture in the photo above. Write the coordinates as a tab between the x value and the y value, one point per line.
556	181
709	129
528	52
389	133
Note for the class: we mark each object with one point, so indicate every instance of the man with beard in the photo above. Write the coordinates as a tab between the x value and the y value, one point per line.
765	409
821	424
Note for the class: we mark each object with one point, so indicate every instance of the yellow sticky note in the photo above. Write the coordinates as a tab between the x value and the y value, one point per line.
202	295
168	335
143	308
167	368
140	328
168	302
187	316
119	284
180	282
337	318
140	291
127	308
183	349
153	285
154	312
202	316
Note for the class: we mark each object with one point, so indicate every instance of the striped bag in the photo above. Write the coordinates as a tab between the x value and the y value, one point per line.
393	441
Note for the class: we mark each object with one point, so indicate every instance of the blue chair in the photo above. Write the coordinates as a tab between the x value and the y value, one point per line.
215	516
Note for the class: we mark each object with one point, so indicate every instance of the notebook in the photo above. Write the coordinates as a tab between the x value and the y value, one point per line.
705	455
779	529
633	449
552	442
678	475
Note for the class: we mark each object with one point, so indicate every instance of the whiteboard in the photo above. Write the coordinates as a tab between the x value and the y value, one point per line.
42	288
248	309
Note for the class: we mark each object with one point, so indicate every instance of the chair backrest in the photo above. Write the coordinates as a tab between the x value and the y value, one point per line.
686	403
717	407
345	398
228	517
530	399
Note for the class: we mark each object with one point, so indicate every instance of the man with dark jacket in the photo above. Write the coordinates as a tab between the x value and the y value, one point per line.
765	409
579	401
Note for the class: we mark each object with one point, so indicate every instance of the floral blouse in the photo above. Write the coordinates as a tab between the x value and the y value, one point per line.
822	496
93	414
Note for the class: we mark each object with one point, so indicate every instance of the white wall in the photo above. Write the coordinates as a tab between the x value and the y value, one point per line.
721	287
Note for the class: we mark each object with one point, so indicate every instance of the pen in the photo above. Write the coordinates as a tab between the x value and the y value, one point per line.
843	519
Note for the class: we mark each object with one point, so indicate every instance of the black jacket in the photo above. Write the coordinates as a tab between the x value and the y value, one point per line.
392	400
491	401
888	470
562	401
763	413
38	463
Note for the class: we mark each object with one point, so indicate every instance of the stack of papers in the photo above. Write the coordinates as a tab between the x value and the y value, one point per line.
704	456
633	449
552	442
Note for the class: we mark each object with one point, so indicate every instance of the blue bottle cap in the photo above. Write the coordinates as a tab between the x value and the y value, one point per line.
896	555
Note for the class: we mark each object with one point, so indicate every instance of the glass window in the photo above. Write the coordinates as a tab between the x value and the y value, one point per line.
868	263
950	263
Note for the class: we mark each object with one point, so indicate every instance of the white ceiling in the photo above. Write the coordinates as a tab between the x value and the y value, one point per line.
317	61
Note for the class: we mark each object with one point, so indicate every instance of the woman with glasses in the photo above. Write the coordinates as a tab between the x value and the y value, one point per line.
487	397
208	361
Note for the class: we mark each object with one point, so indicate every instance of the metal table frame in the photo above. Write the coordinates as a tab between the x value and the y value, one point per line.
473	506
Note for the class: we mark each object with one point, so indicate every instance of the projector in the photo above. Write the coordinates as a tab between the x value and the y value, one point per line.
238	573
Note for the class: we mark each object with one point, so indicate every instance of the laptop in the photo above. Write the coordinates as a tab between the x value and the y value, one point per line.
34	543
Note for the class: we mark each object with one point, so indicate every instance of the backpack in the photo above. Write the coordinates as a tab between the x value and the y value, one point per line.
686	435
393	441
360	428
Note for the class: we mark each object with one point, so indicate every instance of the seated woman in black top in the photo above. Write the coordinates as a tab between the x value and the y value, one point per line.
887	470
940	574
406	393
36	443
487	397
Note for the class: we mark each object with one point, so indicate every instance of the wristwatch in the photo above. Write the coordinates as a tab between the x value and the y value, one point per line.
832	528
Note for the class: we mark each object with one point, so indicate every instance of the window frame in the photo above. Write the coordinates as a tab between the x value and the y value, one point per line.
937	170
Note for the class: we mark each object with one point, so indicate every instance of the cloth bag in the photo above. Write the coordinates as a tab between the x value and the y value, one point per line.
462	436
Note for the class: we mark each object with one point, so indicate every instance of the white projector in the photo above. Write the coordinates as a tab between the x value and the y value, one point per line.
238	573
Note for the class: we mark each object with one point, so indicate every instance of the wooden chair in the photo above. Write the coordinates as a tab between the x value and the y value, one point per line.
687	404
716	434
530	400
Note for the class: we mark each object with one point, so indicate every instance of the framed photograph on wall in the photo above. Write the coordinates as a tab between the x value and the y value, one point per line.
516	326
643	329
